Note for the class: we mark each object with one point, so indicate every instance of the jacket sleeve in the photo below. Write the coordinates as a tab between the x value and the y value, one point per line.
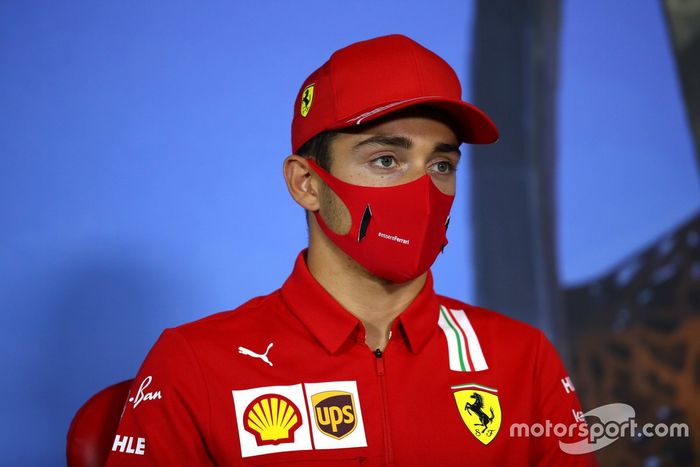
557	407
166	416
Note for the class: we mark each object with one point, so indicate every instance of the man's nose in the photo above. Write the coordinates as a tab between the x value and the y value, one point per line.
416	171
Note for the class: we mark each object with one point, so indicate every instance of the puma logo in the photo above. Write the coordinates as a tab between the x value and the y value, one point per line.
262	357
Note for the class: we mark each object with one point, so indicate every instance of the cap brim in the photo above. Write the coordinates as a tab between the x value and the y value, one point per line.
474	126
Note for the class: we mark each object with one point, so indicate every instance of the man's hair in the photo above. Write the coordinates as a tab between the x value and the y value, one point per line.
319	148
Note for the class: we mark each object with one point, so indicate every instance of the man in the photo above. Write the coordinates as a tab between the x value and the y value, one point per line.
356	360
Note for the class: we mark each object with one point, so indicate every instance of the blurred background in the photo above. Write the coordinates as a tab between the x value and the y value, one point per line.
140	187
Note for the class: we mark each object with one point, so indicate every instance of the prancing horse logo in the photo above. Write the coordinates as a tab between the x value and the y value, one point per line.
480	410
307	97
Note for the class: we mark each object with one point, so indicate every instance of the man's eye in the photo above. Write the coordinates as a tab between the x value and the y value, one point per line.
385	162
443	167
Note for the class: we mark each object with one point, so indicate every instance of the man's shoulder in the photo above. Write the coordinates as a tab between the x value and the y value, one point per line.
491	323
254	313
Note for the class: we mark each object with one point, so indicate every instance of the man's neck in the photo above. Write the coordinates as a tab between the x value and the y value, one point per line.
374	301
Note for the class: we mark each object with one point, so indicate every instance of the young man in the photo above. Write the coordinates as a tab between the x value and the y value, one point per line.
356	360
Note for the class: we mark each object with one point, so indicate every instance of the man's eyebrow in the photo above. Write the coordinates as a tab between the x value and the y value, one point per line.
381	140
446	147
405	143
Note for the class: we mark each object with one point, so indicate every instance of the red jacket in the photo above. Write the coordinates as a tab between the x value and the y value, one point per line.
288	379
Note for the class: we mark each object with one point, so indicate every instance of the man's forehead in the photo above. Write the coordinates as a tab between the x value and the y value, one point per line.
406	124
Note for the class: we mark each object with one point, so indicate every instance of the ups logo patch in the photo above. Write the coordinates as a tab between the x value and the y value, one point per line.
334	412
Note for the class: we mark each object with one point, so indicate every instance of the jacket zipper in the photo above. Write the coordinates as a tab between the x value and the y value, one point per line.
385	410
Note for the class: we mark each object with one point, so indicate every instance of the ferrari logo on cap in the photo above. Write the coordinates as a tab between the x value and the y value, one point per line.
307	97
480	410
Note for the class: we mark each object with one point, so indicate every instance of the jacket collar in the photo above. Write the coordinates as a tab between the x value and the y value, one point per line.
332	325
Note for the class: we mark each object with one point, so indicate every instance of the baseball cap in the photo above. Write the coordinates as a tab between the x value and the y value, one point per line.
370	79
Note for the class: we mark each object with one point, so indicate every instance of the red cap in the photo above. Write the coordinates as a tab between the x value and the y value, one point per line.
369	79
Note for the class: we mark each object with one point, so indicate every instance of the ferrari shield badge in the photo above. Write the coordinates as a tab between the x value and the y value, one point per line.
480	410
307	97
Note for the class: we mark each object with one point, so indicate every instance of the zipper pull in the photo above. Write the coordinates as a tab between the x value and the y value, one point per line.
380	362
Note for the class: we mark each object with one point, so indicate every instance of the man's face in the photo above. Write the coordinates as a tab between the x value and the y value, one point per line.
393	151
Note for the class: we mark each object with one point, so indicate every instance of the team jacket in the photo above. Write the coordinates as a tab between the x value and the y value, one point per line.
287	379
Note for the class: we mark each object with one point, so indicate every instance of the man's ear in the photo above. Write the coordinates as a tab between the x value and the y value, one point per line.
301	182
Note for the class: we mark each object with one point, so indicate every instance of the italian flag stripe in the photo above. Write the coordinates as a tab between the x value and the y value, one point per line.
475	386
477	356
463	345
455	342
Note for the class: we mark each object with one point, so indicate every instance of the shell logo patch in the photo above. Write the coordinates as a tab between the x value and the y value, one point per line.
334	412
272	419
480	410
307	98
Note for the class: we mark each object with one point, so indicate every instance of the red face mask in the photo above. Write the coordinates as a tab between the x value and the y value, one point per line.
397	231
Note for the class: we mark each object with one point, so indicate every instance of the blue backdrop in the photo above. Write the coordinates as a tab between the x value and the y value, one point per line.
140	169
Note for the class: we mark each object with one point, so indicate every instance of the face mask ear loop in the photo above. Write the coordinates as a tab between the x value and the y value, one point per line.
321	172
333	183
329	180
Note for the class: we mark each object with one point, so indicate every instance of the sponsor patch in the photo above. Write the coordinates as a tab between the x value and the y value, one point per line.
337	415
271	419
334	412
261	356
129	445
568	385
143	395
480	410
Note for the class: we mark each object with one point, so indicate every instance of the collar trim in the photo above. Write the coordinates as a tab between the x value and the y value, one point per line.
332	325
